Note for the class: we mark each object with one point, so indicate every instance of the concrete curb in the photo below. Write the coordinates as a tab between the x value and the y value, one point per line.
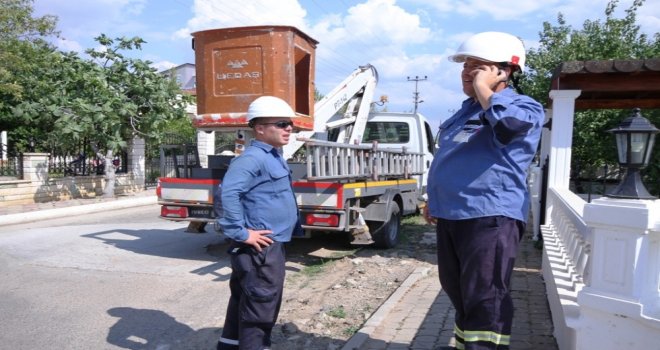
19	218
359	338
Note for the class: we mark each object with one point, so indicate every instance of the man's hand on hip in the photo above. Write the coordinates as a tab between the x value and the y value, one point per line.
258	239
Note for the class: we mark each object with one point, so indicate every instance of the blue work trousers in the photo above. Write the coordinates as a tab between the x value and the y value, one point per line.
256	284
475	262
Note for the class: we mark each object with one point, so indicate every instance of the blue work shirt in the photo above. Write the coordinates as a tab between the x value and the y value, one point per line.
257	194
480	168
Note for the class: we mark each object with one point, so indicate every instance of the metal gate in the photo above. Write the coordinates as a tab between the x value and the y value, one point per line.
158	157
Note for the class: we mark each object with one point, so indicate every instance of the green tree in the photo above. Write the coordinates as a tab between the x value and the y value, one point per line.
54	101
613	38
23	49
114	98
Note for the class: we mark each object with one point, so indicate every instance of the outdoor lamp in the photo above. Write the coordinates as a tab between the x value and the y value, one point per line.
635	137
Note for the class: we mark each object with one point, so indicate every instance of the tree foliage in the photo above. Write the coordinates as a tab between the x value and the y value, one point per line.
613	38
54	101
23	49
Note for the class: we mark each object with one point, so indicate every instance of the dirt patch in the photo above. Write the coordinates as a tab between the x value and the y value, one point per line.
331	290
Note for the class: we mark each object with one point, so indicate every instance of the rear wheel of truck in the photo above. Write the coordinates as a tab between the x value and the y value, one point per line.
386	234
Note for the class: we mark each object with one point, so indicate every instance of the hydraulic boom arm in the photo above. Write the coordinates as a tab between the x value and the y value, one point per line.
356	91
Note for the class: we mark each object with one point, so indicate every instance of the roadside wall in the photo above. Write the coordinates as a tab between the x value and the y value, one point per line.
37	187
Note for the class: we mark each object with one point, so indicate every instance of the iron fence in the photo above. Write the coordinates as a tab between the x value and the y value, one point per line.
152	171
594	180
160	158
11	164
83	165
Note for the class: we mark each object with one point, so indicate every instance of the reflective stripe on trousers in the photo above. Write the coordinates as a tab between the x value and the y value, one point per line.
462	337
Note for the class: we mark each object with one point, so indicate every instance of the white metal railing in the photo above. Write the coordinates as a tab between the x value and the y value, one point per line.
570	233
339	161
566	255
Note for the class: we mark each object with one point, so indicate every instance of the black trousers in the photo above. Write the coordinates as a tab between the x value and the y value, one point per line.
256	284
475	262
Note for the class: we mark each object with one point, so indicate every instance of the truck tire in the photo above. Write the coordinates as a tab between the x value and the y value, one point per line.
386	234
196	227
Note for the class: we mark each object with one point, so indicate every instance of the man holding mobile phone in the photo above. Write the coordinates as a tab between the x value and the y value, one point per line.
477	190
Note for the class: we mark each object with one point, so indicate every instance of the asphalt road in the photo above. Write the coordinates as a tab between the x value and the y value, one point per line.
117	280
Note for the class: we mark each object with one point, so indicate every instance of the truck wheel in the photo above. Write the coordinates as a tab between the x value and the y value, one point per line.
387	234
196	227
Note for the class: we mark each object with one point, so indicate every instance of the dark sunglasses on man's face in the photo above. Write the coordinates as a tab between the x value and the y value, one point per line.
282	124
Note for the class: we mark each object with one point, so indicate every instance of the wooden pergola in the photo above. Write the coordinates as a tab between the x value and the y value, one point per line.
597	84
611	84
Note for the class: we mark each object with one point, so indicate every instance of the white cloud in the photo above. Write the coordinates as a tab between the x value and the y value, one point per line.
374	31
402	66
503	9
650	24
163	65
575	13
648	17
69	45
438	5
376	19
90	17
209	14
372	23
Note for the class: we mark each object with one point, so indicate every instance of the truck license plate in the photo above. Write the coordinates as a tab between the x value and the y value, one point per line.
200	213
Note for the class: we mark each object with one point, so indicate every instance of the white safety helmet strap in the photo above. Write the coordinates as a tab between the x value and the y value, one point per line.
493	47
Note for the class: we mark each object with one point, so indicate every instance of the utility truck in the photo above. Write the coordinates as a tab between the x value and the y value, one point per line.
355	172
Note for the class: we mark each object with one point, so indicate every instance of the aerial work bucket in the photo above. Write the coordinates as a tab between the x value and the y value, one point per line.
237	65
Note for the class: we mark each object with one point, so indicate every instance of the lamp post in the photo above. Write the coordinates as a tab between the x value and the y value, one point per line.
635	137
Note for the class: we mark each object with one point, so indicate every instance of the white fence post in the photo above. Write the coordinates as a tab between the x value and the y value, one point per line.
3	144
620	306
35	168
136	161
561	137
205	146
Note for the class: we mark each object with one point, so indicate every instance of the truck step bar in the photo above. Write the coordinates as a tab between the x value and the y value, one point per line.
339	161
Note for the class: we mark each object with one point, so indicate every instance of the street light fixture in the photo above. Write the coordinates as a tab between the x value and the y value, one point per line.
635	137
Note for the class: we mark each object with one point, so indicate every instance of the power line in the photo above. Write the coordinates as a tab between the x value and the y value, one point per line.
416	99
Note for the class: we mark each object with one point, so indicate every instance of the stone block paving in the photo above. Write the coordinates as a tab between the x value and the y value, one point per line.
424	318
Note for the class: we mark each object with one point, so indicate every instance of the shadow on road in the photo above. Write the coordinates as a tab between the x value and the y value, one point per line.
154	329
174	244
165	243
145	329
212	247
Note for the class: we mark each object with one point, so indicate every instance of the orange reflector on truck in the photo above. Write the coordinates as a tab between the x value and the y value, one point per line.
328	220
170	211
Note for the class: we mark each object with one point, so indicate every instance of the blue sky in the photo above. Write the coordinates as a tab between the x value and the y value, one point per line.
404	38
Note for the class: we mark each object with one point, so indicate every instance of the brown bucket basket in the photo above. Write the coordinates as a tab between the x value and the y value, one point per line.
237	65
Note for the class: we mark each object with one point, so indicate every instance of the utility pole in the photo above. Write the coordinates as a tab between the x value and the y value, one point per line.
416	99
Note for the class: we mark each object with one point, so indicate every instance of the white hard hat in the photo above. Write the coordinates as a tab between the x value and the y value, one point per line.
493	47
269	107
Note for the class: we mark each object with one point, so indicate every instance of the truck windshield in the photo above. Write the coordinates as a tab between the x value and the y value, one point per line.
387	132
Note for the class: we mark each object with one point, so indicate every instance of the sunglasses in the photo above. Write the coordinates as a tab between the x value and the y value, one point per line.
282	124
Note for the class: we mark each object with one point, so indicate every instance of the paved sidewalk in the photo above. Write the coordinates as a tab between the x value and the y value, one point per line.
420	316
17	214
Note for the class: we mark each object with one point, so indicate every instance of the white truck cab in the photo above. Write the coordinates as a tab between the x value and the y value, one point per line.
402	130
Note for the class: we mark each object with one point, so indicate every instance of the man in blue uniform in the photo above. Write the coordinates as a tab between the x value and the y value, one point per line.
260	215
477	188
